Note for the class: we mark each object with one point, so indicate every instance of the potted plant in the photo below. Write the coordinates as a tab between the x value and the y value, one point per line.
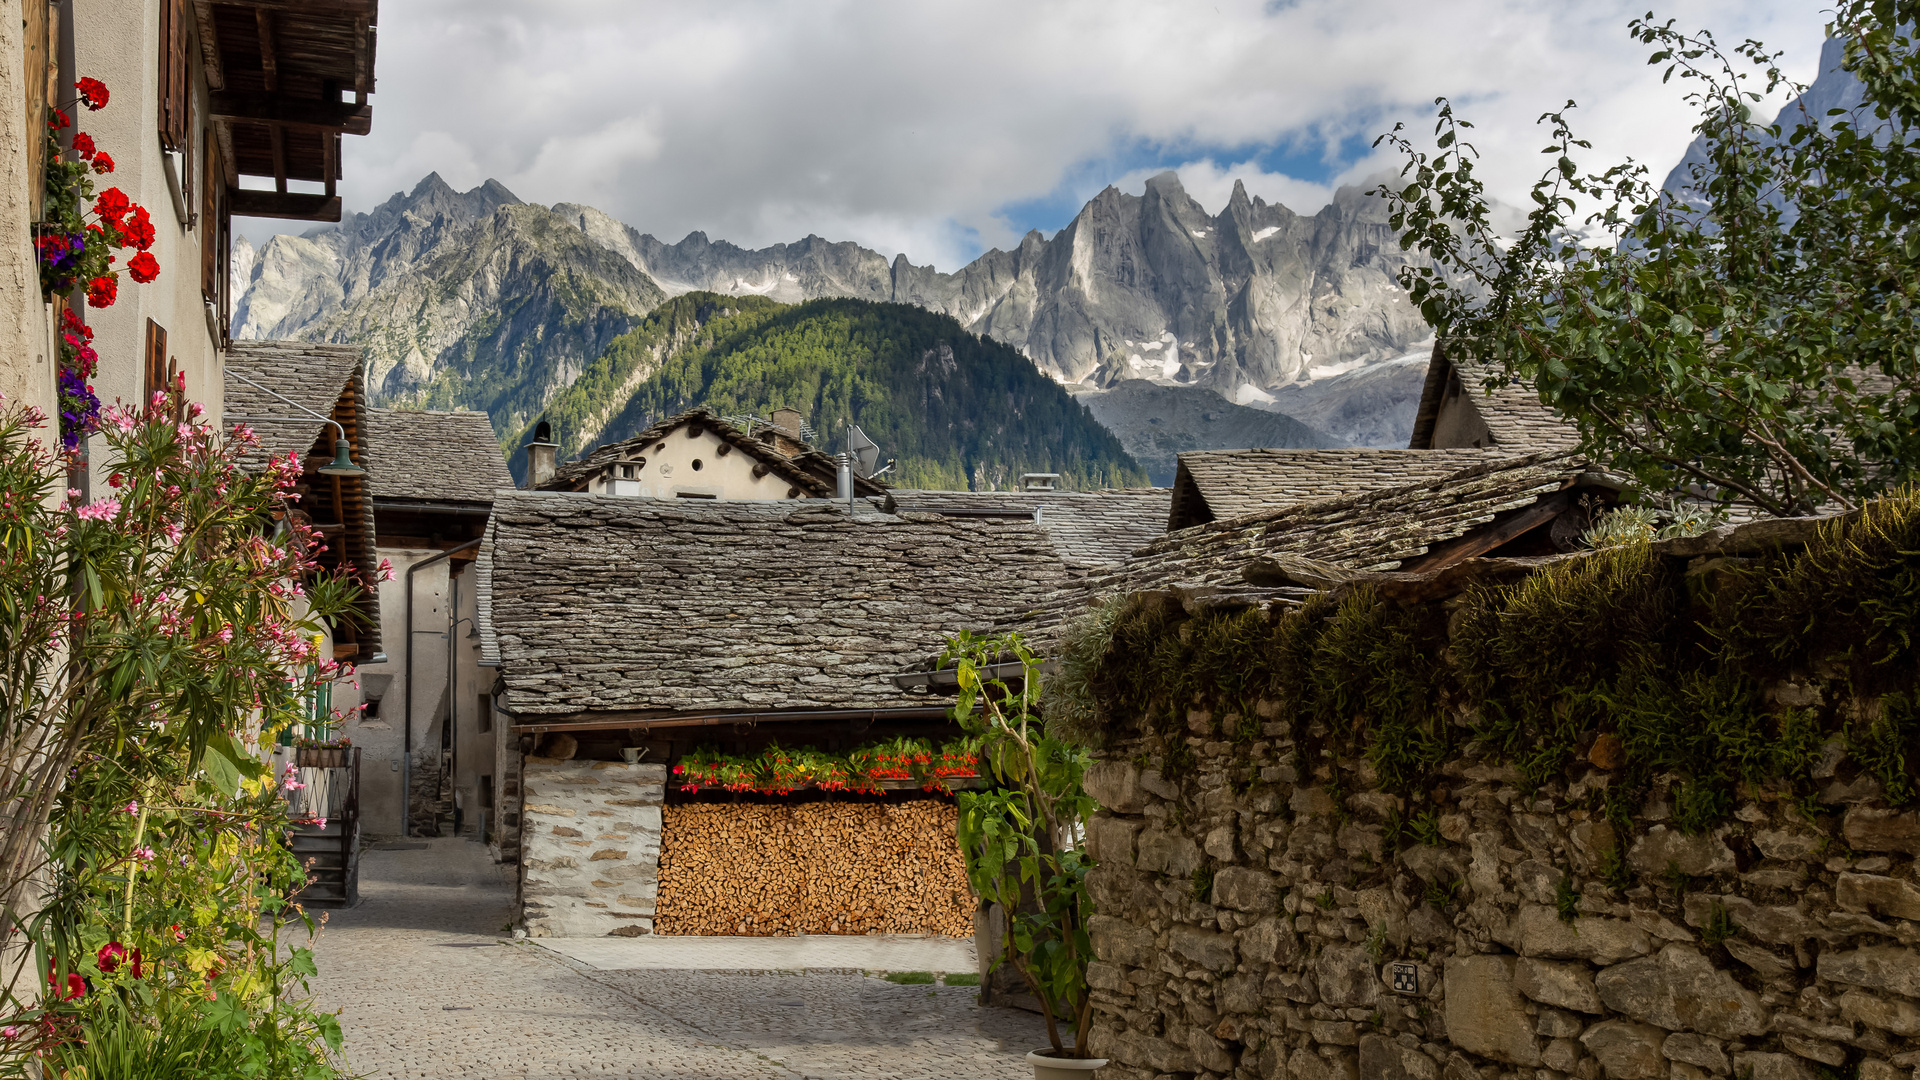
1017	837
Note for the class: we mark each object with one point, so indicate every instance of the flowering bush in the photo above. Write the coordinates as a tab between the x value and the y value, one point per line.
73	250
155	637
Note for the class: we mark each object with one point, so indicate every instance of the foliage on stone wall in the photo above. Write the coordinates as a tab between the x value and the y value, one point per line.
1645	813
1718	670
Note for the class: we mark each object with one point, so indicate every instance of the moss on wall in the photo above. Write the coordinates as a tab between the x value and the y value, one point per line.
1712	671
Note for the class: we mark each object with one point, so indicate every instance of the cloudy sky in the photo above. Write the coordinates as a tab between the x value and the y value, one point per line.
943	127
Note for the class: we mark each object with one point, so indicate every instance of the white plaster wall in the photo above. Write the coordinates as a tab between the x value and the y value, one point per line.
670	471
118	42
380	739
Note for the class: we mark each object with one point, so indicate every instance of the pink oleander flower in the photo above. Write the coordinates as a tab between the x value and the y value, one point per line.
133	807
99	510
145	853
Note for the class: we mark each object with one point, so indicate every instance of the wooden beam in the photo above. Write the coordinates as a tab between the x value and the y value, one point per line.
209	45
344	7
1492	536
269	63
362	58
293	112
292	205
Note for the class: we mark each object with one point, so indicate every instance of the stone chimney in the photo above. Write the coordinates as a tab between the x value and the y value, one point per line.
542	453
786	431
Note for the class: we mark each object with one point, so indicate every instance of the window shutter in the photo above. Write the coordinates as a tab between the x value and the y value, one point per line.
156	362
211	177
174	84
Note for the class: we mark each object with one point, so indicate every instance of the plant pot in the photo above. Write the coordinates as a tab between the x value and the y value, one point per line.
1048	1067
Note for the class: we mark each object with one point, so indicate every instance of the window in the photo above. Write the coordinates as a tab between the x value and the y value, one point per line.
694	495
485	713
698	465
371	711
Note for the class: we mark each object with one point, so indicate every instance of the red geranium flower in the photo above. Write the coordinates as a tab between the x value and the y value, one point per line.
103	163
93	93
83	145
56	119
102	290
112	205
137	229
144	267
112	954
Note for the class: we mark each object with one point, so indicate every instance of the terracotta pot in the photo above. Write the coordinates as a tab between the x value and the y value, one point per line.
1048	1067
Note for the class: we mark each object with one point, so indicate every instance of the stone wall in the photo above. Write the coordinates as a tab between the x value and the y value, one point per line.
590	847
1252	921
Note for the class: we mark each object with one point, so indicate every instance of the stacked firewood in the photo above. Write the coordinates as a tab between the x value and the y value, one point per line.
814	868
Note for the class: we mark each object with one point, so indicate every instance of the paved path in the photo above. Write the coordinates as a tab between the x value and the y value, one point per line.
888	952
429	986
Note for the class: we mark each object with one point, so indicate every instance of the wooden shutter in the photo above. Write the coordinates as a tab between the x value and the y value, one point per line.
156	362
211	177
39	34
175	87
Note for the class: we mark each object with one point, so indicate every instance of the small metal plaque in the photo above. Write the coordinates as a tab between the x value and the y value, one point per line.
1406	978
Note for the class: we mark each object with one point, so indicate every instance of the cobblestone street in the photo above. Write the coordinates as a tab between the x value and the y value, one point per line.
429	985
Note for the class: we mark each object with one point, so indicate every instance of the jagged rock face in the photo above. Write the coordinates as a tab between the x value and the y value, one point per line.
462	300
1136	287
476	299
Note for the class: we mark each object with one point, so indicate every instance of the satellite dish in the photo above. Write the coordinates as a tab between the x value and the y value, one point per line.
866	452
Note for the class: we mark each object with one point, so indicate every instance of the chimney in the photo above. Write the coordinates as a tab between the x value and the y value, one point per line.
541	454
787	421
843	486
1038	481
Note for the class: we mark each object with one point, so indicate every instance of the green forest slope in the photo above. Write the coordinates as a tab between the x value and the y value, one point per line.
958	411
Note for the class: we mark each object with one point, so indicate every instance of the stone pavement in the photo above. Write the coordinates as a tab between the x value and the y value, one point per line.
878	952
429	986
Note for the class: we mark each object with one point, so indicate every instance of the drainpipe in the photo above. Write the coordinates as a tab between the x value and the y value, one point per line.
406	745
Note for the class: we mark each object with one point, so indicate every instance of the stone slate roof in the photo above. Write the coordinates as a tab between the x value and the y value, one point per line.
425	456
1371	531
813	471
1090	528
1513	413
313	375
609	606
1221	485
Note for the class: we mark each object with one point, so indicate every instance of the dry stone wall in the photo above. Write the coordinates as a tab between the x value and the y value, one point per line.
590	847
1255	922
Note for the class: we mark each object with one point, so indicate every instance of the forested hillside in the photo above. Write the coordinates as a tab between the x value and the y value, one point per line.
956	410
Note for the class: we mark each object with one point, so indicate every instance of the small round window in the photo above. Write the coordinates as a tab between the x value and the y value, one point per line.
696	465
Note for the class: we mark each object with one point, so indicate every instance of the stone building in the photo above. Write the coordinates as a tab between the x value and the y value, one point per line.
699	455
652	626
1458	410
427	726
201	96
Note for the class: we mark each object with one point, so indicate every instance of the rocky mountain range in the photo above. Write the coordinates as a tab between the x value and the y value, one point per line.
1145	286
480	300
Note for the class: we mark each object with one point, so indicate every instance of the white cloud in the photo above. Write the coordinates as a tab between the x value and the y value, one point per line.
913	126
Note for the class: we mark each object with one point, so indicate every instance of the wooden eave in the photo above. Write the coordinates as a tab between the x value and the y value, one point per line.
287	79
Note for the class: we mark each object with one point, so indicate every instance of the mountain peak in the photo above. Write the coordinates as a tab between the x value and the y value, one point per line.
1166	181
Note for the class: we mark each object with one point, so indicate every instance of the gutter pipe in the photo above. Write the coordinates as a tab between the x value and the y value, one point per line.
406	745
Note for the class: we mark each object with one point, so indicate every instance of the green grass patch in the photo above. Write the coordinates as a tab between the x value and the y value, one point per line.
962	978
910	978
